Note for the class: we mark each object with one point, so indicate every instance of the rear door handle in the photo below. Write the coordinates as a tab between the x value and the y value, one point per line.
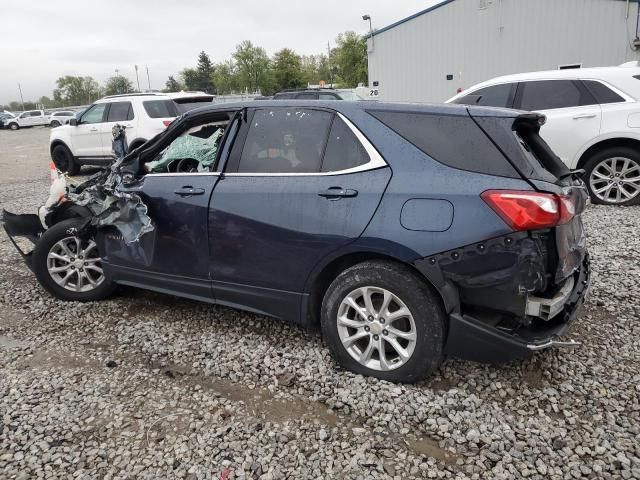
338	192
585	115
188	191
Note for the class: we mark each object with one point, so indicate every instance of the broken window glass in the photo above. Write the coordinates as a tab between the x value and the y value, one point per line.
195	151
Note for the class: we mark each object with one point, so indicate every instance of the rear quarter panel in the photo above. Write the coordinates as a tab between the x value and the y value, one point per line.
418	176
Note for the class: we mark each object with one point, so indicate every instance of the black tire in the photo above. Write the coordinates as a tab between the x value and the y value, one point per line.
54	124
596	160
418	296
39	261
14	126
64	161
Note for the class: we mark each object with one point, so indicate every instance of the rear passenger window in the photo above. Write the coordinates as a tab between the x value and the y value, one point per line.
307	96
493	96
454	140
284	140
550	94
160	108
328	96
601	92
344	150
120	111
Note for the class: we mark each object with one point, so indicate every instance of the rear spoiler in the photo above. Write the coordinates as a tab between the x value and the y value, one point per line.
527	126
516	135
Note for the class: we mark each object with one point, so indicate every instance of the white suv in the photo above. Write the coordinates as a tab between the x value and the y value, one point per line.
30	118
87	139
60	118
593	121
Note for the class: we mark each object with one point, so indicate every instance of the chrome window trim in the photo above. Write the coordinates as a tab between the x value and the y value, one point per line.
375	160
177	174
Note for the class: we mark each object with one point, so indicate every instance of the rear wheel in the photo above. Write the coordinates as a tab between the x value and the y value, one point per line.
613	176
64	161
68	267
380	319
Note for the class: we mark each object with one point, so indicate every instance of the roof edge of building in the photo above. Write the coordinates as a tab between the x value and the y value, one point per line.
427	10
410	17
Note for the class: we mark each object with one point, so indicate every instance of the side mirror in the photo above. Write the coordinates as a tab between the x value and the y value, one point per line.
73	122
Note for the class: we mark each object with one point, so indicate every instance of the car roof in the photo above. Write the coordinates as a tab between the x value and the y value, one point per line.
603	73
131	96
348	107
621	77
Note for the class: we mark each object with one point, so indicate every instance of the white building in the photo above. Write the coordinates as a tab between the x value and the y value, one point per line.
457	43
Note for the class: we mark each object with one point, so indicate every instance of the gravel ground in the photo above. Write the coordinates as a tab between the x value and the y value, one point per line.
150	386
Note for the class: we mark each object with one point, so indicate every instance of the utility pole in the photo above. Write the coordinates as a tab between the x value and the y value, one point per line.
330	69
148	81
137	78
21	99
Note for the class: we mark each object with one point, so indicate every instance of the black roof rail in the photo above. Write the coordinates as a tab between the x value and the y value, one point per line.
137	94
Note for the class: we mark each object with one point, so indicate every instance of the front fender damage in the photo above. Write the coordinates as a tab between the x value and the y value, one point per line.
100	199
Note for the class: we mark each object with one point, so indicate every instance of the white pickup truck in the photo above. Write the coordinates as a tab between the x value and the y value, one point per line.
30	118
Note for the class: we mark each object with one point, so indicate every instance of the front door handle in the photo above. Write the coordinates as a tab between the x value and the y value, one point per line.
585	115
93	129
188	191
338	192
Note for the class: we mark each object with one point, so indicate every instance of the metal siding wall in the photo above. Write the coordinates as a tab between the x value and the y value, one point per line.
411	61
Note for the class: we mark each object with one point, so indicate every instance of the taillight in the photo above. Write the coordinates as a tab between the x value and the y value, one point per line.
524	210
167	122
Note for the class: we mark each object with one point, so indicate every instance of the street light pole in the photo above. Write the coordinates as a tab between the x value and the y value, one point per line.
21	99
329	61
148	81
365	18
137	78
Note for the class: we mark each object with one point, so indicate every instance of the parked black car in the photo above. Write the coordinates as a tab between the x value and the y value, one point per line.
406	232
315	94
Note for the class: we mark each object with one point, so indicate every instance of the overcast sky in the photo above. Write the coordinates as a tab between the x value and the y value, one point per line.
43	40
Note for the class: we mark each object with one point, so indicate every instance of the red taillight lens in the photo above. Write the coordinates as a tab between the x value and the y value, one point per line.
523	210
167	122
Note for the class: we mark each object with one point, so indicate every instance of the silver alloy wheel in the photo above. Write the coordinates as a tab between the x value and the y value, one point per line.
615	180
376	328
74	264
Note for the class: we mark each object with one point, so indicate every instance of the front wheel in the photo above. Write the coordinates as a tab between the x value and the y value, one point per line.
54	124
64	161
613	176
381	319
14	126
68	267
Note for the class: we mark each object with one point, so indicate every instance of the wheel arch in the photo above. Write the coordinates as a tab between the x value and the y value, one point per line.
322	278
58	142
136	142
604	144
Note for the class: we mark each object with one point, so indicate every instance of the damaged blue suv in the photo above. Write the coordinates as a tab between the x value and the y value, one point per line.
405	232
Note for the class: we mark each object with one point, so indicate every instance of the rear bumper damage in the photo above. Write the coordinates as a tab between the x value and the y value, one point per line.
471	339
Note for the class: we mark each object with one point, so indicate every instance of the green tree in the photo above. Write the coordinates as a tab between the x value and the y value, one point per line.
253	68
200	78
72	91
118	85
46	102
225	78
287	70
173	85
350	59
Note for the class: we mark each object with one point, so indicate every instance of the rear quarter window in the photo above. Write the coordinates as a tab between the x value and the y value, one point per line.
160	108
601	92
454	140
